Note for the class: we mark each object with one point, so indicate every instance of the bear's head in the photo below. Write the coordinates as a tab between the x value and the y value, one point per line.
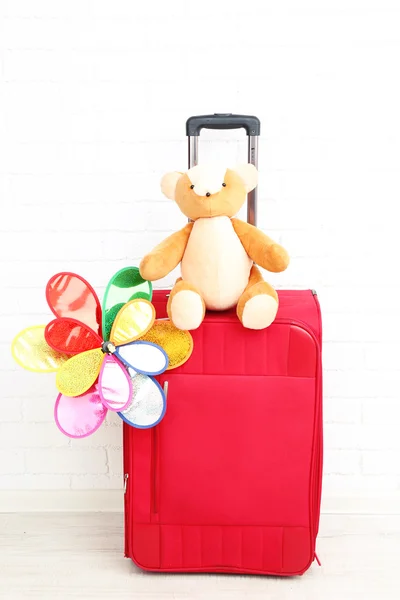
205	191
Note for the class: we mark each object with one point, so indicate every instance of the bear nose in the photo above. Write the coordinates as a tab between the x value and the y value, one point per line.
208	194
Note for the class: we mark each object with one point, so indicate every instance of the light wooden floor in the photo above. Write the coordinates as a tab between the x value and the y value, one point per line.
52	556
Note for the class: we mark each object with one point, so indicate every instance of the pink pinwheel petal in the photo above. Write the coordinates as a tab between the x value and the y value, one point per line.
115	385
80	416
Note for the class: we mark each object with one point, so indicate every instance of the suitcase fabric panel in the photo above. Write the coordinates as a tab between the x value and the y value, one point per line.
301	305
246	549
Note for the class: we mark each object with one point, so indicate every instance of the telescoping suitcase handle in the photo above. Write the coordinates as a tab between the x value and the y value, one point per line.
251	124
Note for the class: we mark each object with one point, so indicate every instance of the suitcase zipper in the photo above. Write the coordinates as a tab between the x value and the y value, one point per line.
127	494
317	444
155	459
154	508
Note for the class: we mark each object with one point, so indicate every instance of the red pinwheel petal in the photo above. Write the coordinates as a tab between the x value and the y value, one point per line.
70	336
69	295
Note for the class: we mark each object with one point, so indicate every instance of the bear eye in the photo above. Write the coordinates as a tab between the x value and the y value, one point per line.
191	187
224	185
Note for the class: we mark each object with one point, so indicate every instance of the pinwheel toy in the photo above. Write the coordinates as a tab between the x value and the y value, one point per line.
105	359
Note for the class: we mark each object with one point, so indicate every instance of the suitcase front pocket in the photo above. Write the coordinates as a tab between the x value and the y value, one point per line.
234	450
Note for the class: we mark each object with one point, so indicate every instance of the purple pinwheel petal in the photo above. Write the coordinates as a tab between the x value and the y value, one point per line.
115	385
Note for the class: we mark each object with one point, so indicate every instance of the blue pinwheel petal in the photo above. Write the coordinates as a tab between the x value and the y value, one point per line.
144	357
149	402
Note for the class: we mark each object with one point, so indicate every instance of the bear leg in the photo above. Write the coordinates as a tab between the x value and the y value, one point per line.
186	307
258	305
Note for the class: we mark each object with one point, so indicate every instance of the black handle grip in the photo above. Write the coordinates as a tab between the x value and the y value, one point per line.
223	121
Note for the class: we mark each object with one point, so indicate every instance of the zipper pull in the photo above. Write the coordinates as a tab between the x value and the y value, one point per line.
125	481
317	559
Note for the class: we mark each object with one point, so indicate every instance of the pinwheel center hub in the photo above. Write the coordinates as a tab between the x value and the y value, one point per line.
108	348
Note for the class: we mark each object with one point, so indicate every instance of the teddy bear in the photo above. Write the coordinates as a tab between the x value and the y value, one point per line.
218	252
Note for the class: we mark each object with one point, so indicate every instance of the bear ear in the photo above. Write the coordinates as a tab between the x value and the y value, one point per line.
248	174
168	184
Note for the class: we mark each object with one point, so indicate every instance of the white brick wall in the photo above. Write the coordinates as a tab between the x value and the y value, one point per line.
94	95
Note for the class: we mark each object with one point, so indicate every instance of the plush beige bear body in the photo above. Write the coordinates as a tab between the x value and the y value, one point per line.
216	262
217	252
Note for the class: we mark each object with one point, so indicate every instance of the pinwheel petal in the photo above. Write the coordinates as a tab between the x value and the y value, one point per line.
143	357
81	416
69	295
79	373
109	318
124	286
133	320
31	351
115	385
71	336
148	404
177	343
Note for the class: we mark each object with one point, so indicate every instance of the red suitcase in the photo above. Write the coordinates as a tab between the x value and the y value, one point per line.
230	480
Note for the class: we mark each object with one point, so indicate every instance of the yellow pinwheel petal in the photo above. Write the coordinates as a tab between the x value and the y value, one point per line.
31	351
133	320
178	344
79	373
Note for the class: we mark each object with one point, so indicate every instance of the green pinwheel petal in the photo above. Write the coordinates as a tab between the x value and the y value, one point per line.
125	285
127	278
143	295
109	318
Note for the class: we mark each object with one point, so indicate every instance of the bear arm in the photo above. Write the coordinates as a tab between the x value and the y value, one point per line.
166	256
262	249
